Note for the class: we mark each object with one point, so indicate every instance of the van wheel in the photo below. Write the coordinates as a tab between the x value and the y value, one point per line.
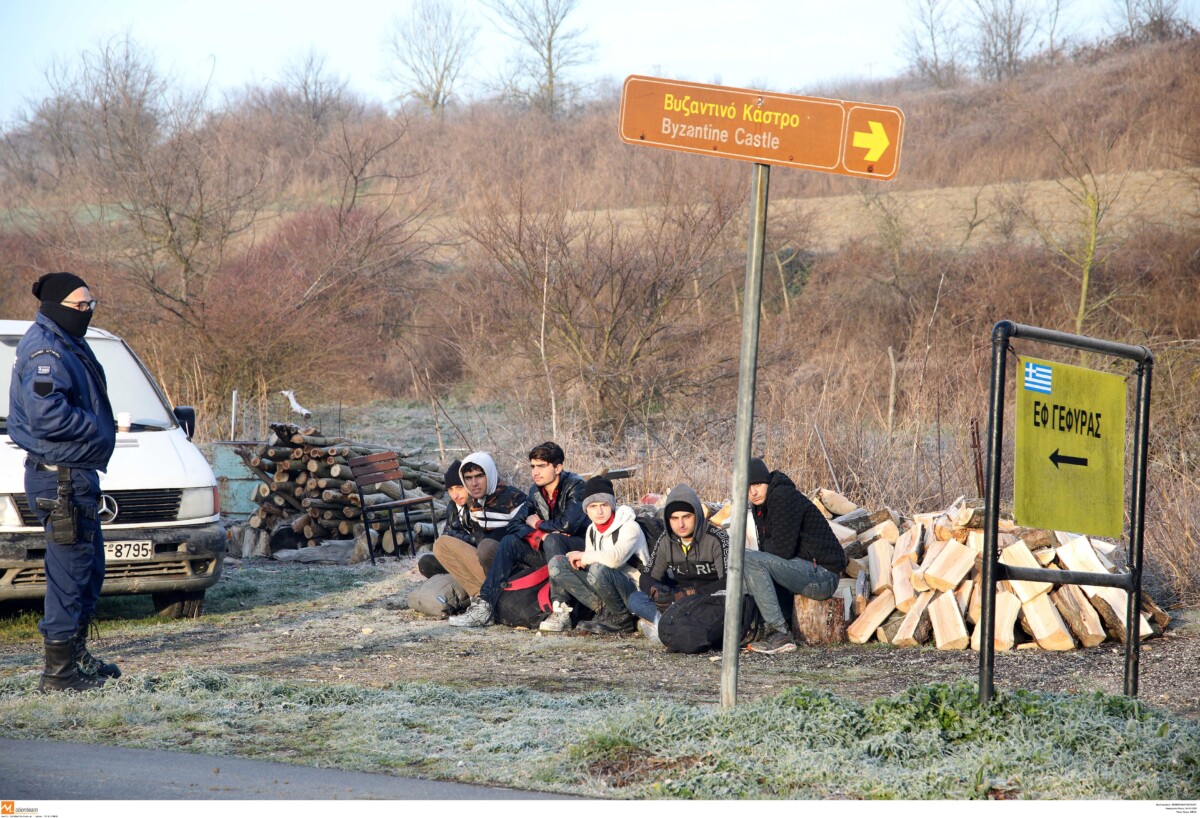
179	604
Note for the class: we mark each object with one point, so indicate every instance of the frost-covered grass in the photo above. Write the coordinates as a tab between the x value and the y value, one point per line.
929	742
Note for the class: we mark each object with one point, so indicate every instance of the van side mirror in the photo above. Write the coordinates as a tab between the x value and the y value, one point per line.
186	415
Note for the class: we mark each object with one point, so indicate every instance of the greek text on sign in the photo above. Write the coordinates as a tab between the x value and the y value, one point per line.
828	135
1070	457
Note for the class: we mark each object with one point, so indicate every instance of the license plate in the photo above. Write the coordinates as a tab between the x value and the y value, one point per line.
129	551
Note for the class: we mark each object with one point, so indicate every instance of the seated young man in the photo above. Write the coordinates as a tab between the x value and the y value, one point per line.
690	557
614	547
549	524
466	550
555	519
796	550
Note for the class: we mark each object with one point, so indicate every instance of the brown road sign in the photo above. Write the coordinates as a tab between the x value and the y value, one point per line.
828	135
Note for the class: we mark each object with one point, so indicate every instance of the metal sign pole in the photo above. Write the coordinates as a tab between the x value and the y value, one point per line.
751	306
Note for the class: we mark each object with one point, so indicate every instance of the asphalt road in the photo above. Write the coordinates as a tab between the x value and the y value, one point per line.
58	771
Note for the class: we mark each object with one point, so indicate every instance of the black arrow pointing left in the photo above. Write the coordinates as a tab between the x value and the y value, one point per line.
1067	460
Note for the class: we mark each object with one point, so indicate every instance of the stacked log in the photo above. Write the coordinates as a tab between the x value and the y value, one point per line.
918	581
307	492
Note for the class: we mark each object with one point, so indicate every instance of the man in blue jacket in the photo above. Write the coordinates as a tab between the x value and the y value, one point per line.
60	415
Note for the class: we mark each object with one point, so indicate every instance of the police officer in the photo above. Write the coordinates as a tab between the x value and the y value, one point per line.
60	415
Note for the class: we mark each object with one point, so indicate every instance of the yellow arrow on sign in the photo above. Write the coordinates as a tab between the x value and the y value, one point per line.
876	142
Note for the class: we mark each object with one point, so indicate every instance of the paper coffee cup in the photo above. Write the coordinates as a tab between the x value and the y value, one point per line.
124	421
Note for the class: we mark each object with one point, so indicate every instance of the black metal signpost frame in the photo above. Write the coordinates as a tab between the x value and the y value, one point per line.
995	571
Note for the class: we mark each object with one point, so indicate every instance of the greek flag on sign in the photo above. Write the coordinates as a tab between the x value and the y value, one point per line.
1037	378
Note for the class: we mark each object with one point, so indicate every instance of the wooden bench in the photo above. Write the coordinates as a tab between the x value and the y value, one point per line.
372	470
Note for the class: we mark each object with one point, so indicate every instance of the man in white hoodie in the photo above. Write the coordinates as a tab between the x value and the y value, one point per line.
614	549
493	511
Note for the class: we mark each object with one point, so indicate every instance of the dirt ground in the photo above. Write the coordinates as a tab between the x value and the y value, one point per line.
367	635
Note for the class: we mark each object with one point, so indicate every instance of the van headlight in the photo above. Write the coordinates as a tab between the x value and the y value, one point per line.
199	502
10	515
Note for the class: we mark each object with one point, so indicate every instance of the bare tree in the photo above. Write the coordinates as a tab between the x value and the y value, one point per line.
429	50
153	164
933	42
605	309
1151	20
551	50
1004	31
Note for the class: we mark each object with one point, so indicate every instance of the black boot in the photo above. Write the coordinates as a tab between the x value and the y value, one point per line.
88	663
62	673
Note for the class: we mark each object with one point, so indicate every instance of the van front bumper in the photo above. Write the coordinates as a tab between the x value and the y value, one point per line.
185	558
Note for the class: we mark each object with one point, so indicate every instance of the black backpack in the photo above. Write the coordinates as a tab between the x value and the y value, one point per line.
652	528
696	624
525	598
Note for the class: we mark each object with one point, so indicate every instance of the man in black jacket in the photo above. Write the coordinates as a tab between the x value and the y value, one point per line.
796	550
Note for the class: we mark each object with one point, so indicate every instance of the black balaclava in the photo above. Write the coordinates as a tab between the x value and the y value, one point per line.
51	289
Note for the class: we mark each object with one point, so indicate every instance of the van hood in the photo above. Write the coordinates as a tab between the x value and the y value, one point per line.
142	460
156	460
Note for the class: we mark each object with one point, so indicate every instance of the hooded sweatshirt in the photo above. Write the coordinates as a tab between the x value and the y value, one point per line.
621	546
703	562
498	512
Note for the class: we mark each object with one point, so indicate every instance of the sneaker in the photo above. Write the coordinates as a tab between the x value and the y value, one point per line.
559	618
774	642
479	615
649	630
603	624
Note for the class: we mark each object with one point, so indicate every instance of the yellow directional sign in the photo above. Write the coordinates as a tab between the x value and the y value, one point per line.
1069	469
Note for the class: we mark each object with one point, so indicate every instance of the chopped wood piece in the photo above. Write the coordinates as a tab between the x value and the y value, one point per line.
1047	626
836	503
1008	608
1079	614
879	563
1157	615
915	628
902	584
949	632
885	632
1037	538
843	533
1018	555
886	530
872	617
1110	603
854	567
932	550
860	594
962	595
951	565
1044	556
975	540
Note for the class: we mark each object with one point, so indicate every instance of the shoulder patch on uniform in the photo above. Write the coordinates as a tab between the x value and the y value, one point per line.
43	370
42	388
46	351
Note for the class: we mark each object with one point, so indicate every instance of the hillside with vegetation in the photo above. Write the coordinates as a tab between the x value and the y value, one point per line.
500	255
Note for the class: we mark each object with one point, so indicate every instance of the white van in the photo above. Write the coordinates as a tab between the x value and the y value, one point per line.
159	507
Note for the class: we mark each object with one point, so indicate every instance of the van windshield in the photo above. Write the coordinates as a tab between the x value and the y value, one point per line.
129	388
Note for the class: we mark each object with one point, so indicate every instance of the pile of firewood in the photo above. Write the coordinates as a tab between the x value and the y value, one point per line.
914	581
307	488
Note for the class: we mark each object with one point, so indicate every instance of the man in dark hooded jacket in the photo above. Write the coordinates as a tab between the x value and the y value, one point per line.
689	559
796	550
59	413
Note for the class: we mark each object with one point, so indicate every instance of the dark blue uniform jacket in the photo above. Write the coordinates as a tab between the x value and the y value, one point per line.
58	403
